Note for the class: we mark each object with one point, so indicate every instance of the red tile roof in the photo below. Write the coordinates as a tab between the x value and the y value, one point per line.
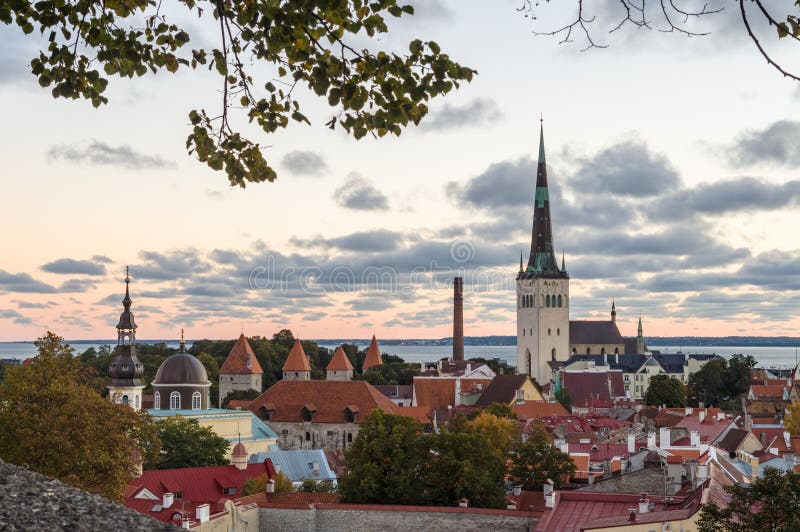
761	391
538	409
420	413
340	362
330	398
600	451
300	499
710	428
297	359
373	357
434	393
241	359
197	485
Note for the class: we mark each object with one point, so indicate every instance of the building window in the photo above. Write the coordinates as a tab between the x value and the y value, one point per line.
616	350
531	331
125	399
229	491
627	378
174	401
558	332
559	301
330	433
308	436
549	332
349	437
157	401
602	350
137	402
574	350
553	353
547	300
285	432
523	332
588	350
196	401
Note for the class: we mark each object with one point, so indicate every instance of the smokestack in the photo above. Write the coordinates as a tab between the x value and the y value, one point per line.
458	318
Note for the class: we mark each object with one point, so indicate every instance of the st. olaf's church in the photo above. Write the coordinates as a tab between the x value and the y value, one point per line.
545	333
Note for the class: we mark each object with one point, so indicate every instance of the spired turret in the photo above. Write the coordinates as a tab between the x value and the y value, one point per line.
126	369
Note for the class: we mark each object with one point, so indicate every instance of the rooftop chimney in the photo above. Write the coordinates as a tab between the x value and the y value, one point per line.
458	318
631	443
463	503
167	500
631	514
270	486
201	513
644	504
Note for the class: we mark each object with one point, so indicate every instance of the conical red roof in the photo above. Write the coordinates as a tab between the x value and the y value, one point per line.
241	359
373	357
340	362
297	360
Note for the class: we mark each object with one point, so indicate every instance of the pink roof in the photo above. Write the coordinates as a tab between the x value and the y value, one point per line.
597	383
710	429
197	485
600	451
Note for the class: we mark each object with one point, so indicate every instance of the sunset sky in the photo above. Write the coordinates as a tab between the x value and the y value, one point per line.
672	162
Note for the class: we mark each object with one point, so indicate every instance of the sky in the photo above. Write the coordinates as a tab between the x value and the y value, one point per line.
672	163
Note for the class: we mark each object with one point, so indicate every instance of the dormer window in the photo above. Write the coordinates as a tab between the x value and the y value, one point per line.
309	411
351	413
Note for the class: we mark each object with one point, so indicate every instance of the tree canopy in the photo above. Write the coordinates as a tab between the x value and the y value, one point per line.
54	423
721	380
665	390
771	502
536	460
186	443
263	51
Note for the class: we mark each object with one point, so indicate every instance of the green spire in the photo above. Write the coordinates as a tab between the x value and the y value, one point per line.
541	141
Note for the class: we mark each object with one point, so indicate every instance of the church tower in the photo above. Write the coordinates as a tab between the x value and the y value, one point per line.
126	369
542	291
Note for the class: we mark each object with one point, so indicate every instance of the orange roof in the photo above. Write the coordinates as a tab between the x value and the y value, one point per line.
581	462
769	390
373	357
331	399
297	360
241	359
538	409
435	393
340	362
420	413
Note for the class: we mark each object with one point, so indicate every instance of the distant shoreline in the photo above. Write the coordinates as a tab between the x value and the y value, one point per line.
498	341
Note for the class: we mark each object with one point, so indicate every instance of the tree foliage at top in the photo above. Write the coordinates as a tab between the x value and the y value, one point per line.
263	51
53	422
588	20
771	502
665	390
536	460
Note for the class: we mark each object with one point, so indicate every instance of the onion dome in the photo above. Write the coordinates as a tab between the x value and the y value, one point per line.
239	450
181	368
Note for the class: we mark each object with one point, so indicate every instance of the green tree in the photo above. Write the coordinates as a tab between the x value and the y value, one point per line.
310	485
186	443
240	395
461	465
284	338
384	461
707	385
500	433
771	502
739	373
536	460
563	397
665	390
57	425
264	50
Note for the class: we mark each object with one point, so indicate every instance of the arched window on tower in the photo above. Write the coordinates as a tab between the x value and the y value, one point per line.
588	350
157	401
616	350
174	401
125	399
559	301
196	401
574	351
602	350
553	353
523	332
547	300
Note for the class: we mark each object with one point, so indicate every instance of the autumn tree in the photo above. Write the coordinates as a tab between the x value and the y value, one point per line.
665	390
186	443
536	460
55	424
791	421
259	484
770	502
500	433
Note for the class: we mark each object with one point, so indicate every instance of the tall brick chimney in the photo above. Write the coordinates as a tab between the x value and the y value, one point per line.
458	318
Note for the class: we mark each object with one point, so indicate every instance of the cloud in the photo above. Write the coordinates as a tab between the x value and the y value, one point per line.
20	319
304	162
102	259
23	283
736	195
171	265
33	304
626	169
432	10
777	144
477	112
98	153
74	267
77	285
358	193
377	240
503	184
